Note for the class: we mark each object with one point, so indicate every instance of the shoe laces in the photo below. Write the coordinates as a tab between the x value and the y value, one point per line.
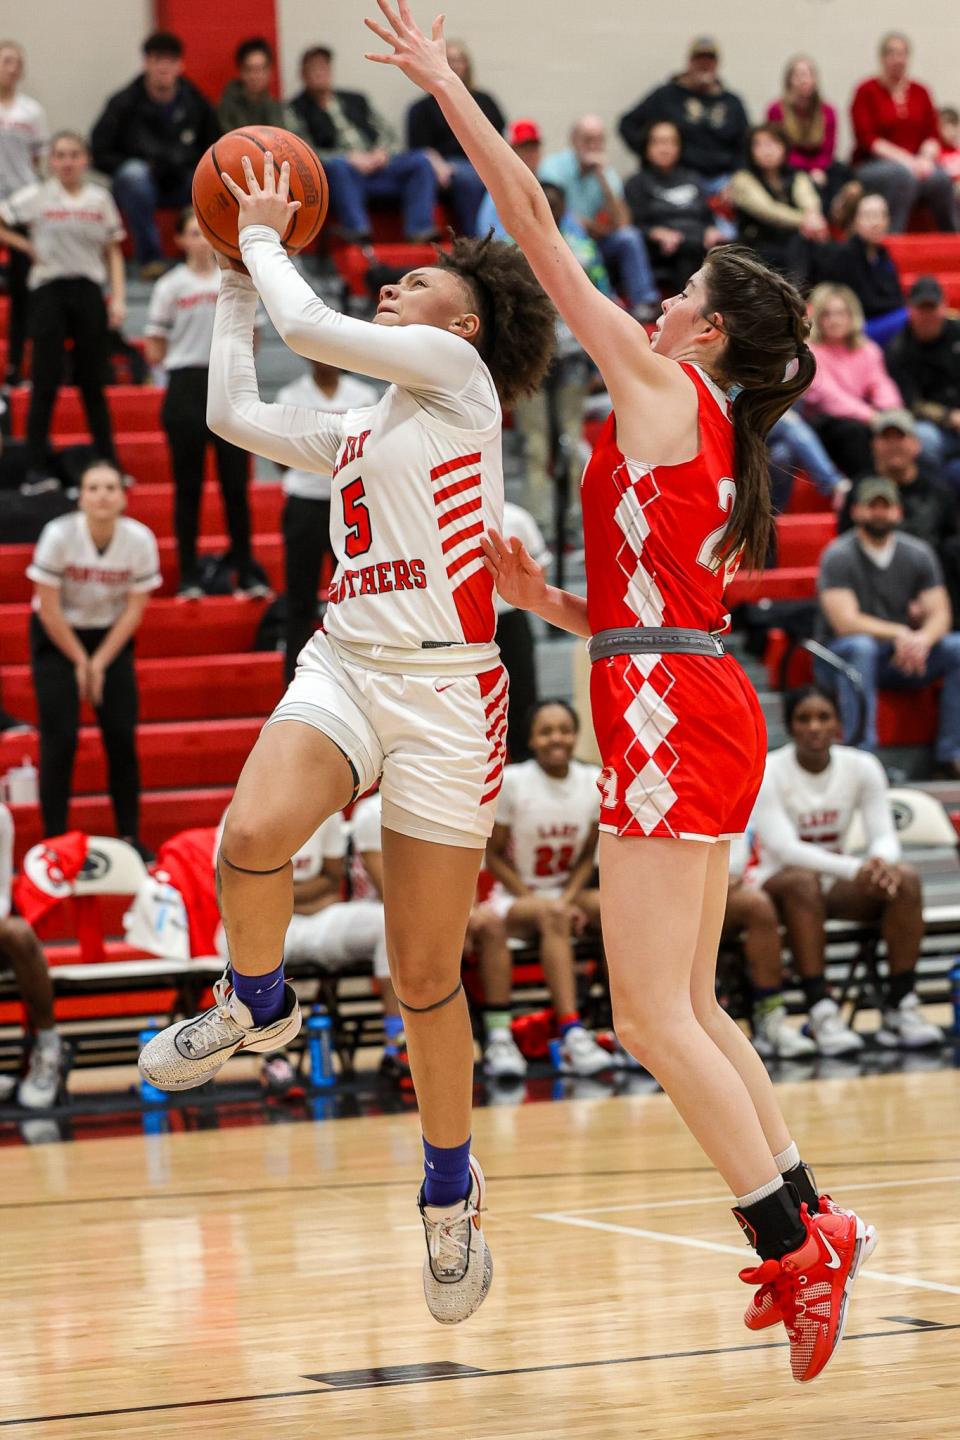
448	1240
210	1028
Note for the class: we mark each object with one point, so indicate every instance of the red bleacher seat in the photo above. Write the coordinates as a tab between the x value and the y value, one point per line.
132	408
215	625
162	814
926	254
205	687
783	583
153	505
801	538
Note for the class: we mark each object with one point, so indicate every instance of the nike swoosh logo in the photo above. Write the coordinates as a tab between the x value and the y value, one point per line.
834	1262
440	688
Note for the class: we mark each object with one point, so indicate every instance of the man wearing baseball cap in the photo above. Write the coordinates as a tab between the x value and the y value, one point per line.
929	505
712	120
924	359
884	610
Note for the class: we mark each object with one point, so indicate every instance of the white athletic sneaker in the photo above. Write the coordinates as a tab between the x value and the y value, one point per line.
775	1039
580	1053
459	1267
502	1059
191	1052
831	1035
40	1086
905	1026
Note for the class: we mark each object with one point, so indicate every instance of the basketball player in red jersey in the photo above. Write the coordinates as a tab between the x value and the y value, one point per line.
674	496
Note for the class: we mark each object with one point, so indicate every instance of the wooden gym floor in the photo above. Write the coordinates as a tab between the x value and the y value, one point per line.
265	1282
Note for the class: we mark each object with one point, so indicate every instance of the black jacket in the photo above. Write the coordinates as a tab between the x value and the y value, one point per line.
669	198
712	128
134	127
875	282
928	373
319	129
428	130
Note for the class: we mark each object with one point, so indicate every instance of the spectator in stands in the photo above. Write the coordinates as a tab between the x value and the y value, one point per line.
810	127
179	332
864	263
21	952
541	854
924	359
929	505
751	916
776	208
148	139
23	141
950	144
897	135
248	99
668	205
74	234
851	384
428	131
711	119
884	610
515	636
361	155
366	836
812	789
93	571
594	195
527	142
306	513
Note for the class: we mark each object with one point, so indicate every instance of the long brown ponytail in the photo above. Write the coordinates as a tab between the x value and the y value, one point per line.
767	359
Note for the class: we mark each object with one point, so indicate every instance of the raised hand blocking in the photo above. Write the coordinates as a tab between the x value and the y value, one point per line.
422	60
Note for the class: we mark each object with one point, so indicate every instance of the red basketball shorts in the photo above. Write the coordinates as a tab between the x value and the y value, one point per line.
683	744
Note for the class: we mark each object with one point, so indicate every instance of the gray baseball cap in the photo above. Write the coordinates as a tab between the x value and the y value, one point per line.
898	419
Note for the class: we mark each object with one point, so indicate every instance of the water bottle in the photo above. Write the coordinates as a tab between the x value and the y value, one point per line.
149	1094
955	996
556	1055
320	1047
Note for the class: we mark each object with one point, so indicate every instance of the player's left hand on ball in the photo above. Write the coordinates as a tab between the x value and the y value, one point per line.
268	203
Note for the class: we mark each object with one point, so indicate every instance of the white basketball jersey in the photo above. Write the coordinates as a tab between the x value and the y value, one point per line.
549	820
329	842
410	498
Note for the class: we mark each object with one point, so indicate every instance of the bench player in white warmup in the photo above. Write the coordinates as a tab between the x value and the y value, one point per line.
405	683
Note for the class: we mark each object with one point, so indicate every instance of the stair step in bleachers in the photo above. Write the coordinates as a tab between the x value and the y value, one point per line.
162	814
133	408
153	506
927	254
216	625
801	538
797	582
268	549
173	754
207	687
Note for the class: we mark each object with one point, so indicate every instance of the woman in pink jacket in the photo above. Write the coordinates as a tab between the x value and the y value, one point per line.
851	384
810	125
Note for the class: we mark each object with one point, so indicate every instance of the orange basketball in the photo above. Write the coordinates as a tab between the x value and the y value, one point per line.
216	208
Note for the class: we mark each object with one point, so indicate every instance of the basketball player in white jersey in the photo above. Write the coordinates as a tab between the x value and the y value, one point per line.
542	855
811	791
406	683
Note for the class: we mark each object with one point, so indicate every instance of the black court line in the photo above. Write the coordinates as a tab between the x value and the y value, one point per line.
151	1196
437	1379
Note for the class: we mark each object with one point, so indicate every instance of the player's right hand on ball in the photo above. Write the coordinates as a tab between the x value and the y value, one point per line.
518	578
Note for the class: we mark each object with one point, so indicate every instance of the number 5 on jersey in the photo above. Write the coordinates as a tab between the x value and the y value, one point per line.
356	518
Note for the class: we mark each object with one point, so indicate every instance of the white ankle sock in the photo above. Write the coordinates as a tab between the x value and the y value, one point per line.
788	1159
770	1188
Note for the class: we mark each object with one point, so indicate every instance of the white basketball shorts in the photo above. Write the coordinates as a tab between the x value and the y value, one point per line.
437	742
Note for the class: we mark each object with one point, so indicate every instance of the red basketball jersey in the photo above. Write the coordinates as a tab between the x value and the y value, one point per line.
651	532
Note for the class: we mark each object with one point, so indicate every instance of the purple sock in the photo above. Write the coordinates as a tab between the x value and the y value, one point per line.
263	995
446	1173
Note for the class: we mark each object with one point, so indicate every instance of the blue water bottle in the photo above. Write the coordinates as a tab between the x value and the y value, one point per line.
149	1094
320	1047
955	996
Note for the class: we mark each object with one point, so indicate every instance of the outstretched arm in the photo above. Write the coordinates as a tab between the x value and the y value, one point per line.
421	358
612	338
293	435
521	582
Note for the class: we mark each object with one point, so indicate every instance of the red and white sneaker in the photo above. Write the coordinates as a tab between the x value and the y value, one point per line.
813	1286
764	1308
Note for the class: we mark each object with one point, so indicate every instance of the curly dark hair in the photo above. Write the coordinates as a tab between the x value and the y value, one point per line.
517	320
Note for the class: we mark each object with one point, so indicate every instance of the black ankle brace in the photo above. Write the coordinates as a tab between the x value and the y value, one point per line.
437	1004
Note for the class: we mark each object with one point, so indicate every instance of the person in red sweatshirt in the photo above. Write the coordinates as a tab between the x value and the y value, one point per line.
897	135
